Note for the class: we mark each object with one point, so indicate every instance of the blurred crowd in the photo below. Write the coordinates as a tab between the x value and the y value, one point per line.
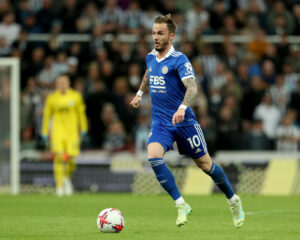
248	93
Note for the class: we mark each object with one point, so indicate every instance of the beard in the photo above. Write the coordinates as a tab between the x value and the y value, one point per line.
162	46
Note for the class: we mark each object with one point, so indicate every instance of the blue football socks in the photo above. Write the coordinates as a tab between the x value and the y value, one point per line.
220	179
165	177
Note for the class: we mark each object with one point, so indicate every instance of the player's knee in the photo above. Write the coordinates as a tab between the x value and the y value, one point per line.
204	163
155	150
205	167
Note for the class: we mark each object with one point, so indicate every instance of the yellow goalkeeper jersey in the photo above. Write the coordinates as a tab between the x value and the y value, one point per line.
64	116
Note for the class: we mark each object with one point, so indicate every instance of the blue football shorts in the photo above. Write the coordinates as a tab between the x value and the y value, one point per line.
190	140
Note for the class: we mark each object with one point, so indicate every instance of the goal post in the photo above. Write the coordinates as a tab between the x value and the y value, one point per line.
10	68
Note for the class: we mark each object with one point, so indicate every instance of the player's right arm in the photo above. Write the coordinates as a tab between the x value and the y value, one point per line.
135	102
46	117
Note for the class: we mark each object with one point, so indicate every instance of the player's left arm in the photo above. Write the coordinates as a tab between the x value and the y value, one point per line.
191	91
81	114
189	97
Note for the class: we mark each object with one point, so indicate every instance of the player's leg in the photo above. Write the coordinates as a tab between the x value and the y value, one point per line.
160	141
58	164
167	180
190	141
72	151
162	172
58	169
219	177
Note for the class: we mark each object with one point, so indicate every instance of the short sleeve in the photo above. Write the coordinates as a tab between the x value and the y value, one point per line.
184	68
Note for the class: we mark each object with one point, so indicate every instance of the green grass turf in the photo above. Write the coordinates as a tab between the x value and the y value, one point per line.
47	217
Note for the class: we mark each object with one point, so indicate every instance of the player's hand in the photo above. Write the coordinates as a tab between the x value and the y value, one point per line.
178	117
83	136
135	102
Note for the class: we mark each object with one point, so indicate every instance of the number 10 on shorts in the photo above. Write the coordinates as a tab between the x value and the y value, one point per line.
194	141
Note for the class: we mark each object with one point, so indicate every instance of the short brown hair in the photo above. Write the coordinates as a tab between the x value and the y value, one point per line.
167	19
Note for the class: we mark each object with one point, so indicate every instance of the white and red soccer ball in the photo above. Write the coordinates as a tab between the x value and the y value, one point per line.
110	220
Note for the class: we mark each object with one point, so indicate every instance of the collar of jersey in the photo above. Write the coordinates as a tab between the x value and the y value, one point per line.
166	56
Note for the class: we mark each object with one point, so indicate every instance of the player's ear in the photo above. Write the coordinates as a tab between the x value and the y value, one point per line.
172	36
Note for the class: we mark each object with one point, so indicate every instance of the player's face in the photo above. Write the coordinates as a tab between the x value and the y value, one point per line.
161	36
62	83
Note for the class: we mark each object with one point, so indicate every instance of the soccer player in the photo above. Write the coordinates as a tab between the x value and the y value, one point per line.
64	120
172	87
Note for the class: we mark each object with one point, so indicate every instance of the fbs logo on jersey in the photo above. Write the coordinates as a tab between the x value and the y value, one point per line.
164	70
188	68
157	80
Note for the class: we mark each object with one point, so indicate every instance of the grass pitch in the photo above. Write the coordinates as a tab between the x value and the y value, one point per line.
47	217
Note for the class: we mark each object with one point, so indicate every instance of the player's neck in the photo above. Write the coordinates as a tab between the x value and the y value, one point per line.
163	53
63	92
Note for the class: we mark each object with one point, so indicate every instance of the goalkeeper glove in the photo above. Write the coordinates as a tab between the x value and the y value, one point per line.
83	136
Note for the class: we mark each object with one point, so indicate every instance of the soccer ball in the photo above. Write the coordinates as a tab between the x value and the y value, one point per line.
110	220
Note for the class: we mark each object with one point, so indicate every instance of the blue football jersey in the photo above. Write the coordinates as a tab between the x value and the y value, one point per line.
166	88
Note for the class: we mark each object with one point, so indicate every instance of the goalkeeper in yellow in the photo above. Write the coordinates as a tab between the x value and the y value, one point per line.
64	121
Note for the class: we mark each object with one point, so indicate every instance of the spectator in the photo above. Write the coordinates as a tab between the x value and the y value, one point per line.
9	29
97	104
228	26
259	44
46	16
197	18
35	63
231	56
47	76
23	11
97	41
132	18
287	135
201	79
23	44
231	87
134	76
209	60
31	98
89	18
294	56
68	14
291	77
227	129
60	65
115	137
280	94
252	97
295	102
268	72
141	133
4	48
112	17
255	138
296	13
280	19
270	115
217	15
148	18
243	78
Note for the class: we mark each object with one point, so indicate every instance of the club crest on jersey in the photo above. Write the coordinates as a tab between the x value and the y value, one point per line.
164	70
150	69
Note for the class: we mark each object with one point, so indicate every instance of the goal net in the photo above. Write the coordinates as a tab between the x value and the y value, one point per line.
9	125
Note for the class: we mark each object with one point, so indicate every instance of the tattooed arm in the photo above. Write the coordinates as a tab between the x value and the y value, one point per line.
189	97
135	102
145	82
191	91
